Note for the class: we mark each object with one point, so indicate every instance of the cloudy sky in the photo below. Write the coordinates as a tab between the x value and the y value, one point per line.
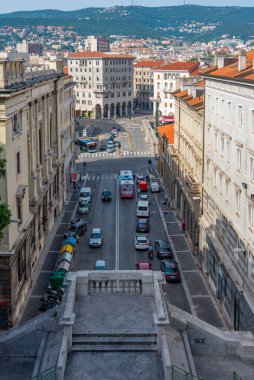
14	5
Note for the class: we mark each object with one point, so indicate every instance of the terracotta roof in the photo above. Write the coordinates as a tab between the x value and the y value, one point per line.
231	71
167	131
179	93
201	83
149	63
181	66
99	54
194	102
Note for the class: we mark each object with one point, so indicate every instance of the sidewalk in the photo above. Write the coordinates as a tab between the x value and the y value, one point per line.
201	301
48	258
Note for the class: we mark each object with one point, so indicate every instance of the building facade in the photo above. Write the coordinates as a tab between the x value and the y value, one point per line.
36	131
104	84
169	78
181	167
227	224
143	83
97	43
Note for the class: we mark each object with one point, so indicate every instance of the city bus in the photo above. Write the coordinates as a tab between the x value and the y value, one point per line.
127	189
126	175
87	145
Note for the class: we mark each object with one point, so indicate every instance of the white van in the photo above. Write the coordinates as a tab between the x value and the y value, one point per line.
155	188
85	194
143	209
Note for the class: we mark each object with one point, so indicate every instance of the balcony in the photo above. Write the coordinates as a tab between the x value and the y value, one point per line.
191	184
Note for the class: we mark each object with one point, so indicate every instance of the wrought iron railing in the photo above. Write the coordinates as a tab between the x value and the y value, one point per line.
49	374
180	374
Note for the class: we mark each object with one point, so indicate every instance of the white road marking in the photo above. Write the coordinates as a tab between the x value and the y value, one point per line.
117	228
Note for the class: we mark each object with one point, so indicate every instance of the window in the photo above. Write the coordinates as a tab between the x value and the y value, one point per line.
227	189
209	103
216	141
158	76
220	183
228	150
215	172
251	216
18	163
40	146
16	127
222	146
238	158
240	115
223	109
252	168
237	201
217	106
19	210
252	121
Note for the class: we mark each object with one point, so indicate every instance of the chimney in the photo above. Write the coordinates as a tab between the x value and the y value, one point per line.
220	62
241	61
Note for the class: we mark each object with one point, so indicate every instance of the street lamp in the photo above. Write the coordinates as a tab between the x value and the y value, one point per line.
66	219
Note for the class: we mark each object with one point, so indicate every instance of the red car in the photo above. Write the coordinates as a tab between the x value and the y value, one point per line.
142	185
143	266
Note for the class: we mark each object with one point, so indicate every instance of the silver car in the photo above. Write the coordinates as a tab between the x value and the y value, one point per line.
96	238
83	208
141	241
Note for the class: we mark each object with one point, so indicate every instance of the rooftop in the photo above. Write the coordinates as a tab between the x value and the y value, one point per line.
149	63
179	66
98	54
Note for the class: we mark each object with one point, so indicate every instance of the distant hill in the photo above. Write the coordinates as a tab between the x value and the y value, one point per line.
193	23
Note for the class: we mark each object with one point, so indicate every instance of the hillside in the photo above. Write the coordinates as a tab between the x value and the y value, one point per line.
193	23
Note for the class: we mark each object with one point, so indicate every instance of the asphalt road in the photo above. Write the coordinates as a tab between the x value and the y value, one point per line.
118	222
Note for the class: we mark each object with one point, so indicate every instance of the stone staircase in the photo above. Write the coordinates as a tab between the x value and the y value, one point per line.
114	342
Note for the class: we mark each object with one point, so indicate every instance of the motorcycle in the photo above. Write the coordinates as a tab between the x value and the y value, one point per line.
150	253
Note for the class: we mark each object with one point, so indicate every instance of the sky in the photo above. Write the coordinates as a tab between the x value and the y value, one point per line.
18	5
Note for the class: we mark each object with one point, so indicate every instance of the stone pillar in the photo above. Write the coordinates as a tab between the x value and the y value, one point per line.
147	284
82	283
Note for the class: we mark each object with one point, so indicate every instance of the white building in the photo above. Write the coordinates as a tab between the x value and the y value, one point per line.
227	224
104	86
169	78
97	43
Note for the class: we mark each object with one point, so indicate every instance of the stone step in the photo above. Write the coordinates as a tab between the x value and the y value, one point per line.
114	339
109	335
114	348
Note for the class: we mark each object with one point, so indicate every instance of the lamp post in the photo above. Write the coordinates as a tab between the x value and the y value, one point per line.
66	219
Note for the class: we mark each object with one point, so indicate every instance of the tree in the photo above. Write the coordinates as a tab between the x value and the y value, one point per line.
5	212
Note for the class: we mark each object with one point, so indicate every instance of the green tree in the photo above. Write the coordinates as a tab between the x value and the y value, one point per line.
5	212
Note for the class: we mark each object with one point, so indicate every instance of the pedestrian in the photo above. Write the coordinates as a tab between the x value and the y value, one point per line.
183	227
165	199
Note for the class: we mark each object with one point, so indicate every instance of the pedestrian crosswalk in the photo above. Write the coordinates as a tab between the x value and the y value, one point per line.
126	153
98	177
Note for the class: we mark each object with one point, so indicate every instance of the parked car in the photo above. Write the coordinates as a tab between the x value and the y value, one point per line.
84	208
77	228
143	266
142	225
96	238
106	195
163	249
103	147
141	241
155	188
170	270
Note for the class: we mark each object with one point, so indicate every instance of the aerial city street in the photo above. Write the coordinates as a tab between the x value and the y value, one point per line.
127	190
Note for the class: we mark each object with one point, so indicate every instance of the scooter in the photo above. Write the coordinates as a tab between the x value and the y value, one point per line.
150	253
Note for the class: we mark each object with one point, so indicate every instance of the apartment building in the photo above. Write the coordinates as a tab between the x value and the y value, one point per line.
96	43
180	162
36	131
167	79
104	84
227	224
143	83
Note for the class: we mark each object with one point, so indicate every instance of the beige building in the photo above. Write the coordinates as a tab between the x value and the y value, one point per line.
143	83
36	130
182	168
104	84
97	43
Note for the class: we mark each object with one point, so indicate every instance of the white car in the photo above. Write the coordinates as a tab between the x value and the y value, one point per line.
155	188
96	238
143	197
141	241
84	208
